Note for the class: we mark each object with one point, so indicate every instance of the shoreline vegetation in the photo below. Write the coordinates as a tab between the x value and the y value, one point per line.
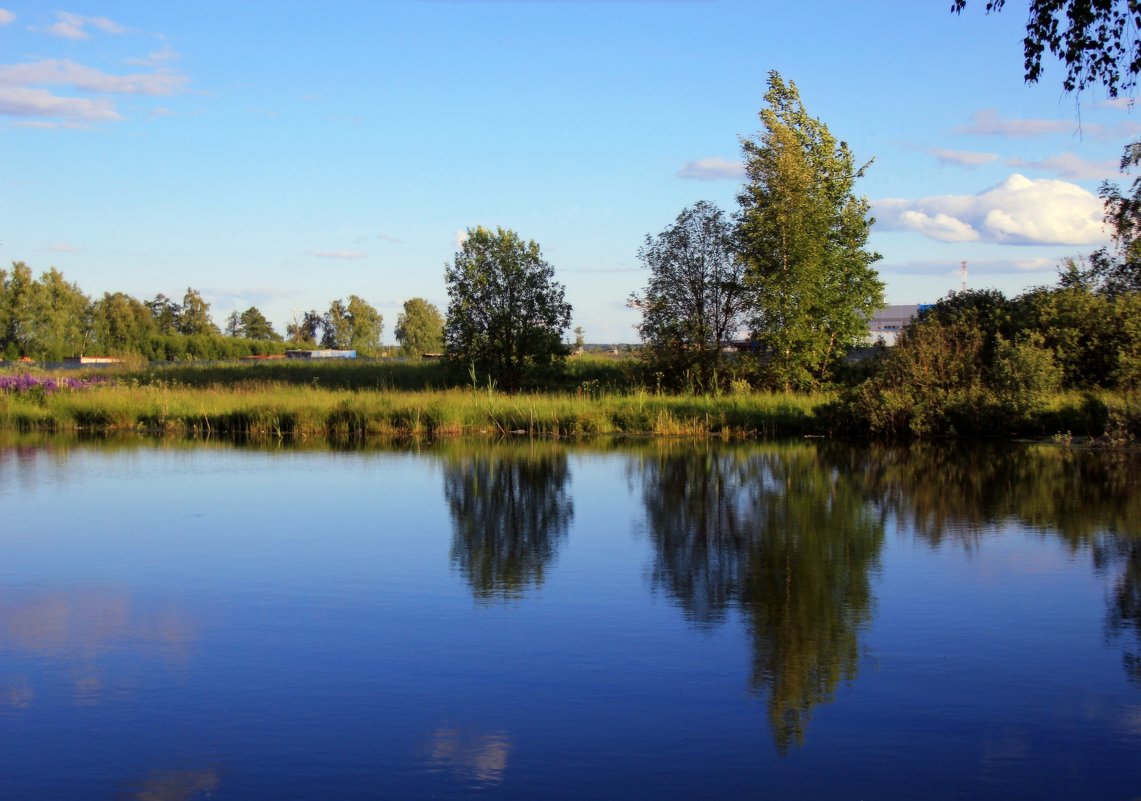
594	396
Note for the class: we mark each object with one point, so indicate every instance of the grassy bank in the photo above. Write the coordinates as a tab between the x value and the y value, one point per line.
395	399
286	410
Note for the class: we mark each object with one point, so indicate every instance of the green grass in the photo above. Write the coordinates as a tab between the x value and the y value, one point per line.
268	409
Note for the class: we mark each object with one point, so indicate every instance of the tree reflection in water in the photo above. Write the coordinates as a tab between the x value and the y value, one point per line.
790	541
792	534
510	509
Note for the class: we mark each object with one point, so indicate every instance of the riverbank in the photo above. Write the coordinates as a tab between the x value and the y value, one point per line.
398	400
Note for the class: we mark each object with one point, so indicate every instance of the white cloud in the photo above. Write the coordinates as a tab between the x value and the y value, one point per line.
22	95
1117	102
962	158
1018	211
348	255
1070	166
458	239
157	58
6	16
988	123
63	247
712	169
74	26
18	101
54	72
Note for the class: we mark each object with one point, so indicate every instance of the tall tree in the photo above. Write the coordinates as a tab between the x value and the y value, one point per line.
420	328
194	318
804	236
304	330
696	299
506	312
254	325
355	325
121	324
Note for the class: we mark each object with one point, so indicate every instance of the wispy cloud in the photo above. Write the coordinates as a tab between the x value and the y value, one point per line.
1069	166
63	247
75	26
389	238
989	122
22	92
962	158
18	101
347	255
6	16
1018	211
714	168
62	72
157	58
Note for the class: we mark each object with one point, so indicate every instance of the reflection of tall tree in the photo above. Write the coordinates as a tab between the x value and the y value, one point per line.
510	510
789	539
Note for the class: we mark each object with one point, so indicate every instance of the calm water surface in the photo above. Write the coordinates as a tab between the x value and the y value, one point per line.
538	621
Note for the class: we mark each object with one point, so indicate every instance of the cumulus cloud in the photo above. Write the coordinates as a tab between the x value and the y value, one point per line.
1070	166
962	158
712	169
1018	211
74	26
347	255
458	239
6	16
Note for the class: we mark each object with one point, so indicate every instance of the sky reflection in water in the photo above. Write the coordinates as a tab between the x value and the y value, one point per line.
656	620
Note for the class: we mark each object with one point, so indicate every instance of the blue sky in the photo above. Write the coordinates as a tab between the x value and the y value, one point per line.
285	154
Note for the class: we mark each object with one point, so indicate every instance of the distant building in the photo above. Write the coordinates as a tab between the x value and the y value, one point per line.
320	354
890	320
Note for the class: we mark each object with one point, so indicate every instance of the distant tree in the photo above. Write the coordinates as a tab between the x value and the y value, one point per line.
579	338
355	325
166	314
306	329
66	317
233	326
696	299
121	325
506	312
194	318
420	328
367	324
45	319
254	325
804	237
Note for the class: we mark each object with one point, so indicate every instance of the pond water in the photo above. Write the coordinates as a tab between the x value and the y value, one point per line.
646	620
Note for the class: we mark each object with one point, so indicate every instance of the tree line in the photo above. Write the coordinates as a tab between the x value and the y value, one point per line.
50	318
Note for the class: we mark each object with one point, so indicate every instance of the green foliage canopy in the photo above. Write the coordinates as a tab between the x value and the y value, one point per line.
506	313
804	236
696	299
420	328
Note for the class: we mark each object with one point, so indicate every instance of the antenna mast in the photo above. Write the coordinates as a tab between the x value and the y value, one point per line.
963	276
